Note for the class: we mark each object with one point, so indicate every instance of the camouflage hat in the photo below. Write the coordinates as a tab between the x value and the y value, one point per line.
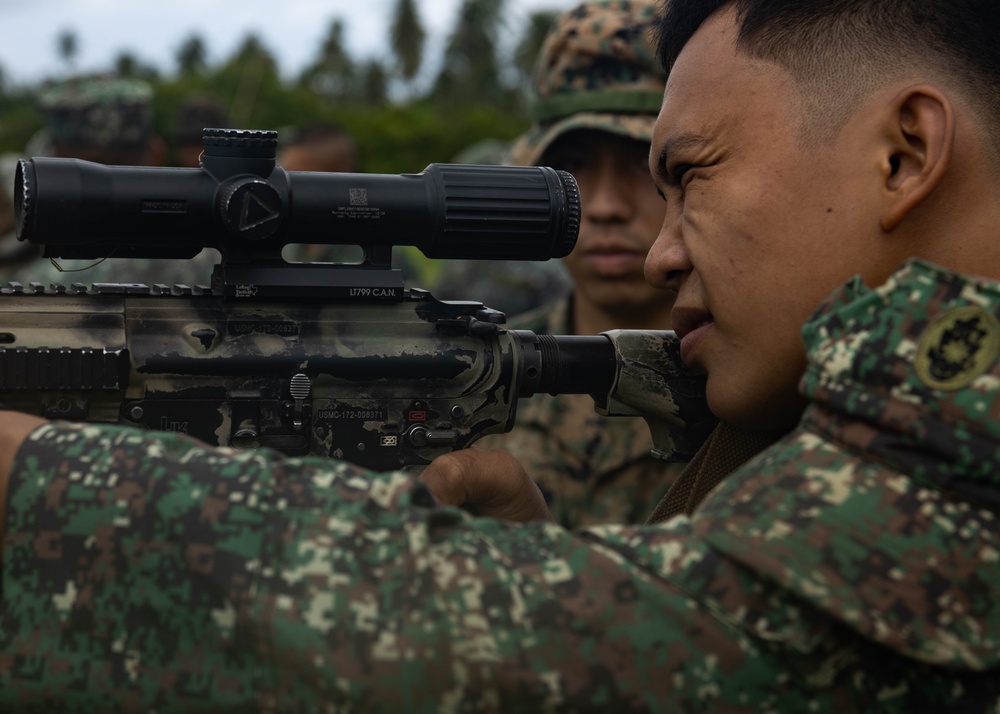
104	112
597	70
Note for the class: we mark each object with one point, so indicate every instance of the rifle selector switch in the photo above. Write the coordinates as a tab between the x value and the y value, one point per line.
299	388
420	436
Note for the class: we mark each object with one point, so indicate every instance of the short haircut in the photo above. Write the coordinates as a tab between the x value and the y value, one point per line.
841	50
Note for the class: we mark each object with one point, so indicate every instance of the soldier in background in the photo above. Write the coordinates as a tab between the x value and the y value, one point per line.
107	120
598	88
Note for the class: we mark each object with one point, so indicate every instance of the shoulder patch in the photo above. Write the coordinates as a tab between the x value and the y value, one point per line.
956	347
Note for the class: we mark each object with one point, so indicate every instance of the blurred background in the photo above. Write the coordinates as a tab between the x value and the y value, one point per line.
412	81
377	86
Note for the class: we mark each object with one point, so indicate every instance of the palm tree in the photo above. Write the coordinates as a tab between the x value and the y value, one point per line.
252	50
127	64
374	83
191	56
254	64
333	72
68	46
470	67
407	36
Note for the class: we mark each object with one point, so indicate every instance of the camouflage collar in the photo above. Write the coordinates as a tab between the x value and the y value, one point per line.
914	362
872	510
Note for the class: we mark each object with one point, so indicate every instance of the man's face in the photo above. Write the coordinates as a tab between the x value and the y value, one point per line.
621	215
759	227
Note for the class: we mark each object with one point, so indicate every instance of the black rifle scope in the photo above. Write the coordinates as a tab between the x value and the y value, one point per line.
241	203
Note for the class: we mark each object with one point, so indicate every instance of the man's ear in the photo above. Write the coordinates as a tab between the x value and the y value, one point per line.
921	133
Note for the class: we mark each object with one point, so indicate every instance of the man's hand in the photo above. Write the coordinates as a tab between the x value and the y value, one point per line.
486	482
14	429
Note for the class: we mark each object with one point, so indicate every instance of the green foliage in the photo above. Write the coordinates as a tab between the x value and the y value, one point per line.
19	120
468	102
407	36
405	139
471	65
333	74
127	64
192	56
391	138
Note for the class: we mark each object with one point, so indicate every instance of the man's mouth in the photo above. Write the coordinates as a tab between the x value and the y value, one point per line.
614	262
691	326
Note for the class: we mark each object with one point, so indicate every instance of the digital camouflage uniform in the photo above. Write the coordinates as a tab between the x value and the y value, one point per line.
597	71
592	469
100	116
853	566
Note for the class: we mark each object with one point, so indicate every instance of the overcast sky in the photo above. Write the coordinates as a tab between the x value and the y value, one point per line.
153	29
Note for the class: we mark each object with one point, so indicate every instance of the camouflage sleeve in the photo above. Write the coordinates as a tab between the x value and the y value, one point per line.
591	469
149	573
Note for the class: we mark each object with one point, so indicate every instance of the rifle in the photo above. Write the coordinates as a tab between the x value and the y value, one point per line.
330	359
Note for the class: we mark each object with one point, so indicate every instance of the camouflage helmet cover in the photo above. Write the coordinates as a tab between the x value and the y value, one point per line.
597	70
99	111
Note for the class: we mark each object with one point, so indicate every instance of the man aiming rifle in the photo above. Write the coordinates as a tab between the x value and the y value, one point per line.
851	566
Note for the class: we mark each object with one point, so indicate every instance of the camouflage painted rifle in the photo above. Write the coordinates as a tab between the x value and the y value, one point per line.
330	359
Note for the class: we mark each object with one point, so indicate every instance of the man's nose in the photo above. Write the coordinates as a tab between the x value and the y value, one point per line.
668	262
605	194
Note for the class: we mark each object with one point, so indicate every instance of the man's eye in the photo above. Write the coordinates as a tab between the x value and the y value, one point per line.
677	173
